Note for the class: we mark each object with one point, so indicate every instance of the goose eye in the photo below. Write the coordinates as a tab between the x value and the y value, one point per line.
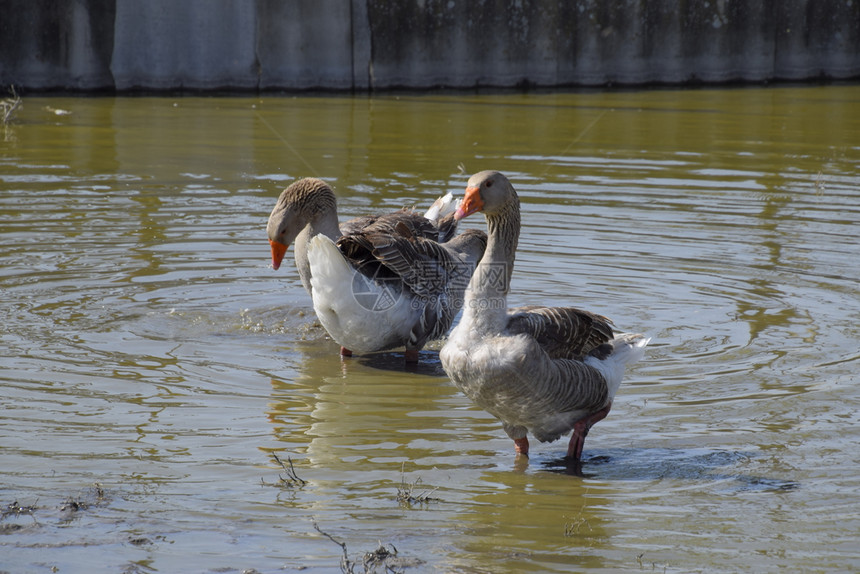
489	183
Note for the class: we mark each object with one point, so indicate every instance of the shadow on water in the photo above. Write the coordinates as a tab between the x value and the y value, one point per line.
658	464
428	363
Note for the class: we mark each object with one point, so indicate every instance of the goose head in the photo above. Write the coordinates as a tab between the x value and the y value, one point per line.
487	191
302	203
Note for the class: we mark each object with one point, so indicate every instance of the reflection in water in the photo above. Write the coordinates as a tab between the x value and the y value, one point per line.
148	346
342	413
515	510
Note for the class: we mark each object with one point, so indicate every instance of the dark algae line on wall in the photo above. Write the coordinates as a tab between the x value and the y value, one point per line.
200	45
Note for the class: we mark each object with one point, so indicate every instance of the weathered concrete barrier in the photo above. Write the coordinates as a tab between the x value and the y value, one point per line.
128	45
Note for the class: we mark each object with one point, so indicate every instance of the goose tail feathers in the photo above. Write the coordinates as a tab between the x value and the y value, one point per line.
629	347
625	349
445	205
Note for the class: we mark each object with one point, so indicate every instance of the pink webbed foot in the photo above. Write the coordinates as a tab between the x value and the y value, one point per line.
580	431
344	352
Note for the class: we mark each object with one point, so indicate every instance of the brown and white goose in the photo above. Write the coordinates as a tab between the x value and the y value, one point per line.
380	281
544	370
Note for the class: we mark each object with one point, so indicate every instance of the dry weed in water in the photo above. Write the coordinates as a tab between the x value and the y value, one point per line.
17	510
9	105
406	492
383	559
291	480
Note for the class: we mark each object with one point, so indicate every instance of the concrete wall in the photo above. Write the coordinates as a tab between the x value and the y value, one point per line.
378	44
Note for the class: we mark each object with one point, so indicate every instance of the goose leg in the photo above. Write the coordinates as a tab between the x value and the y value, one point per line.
580	431
518	434
522	445
344	352
411	355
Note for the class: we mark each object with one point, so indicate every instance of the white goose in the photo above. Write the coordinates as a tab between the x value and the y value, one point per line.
381	281
544	370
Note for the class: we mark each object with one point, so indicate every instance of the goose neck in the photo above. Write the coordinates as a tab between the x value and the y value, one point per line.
486	301
324	222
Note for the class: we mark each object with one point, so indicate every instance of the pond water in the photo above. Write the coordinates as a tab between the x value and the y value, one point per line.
153	364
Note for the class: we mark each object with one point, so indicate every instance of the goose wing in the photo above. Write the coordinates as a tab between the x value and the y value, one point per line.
357	224
441	227
432	274
416	224
364	234
563	332
428	268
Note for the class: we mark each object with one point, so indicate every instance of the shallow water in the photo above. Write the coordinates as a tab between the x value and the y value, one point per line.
153	362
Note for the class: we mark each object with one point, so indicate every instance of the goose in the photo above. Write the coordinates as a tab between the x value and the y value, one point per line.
380	281
540	370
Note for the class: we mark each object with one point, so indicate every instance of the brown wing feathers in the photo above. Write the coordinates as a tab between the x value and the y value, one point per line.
563	332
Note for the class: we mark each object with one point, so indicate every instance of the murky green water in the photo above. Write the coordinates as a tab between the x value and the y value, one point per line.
148	348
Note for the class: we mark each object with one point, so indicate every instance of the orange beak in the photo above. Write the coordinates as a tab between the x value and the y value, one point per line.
278	252
472	203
